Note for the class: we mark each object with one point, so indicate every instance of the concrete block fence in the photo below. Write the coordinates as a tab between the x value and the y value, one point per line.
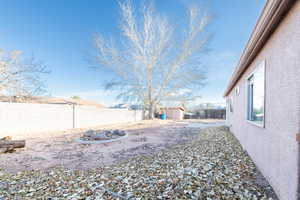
22	119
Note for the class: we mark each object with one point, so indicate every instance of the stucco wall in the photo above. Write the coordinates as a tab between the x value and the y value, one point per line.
22	119
86	116
274	148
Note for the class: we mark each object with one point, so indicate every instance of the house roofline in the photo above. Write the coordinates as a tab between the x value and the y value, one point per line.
271	16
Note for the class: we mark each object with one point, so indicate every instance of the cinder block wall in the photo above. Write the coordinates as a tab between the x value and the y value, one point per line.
274	148
22	119
87	116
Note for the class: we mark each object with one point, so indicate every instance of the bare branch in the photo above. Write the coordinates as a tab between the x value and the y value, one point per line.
19	76
150	64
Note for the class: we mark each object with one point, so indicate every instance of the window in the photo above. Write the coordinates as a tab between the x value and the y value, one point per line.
256	96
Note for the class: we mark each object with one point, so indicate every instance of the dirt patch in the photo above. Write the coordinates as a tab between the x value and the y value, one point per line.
59	149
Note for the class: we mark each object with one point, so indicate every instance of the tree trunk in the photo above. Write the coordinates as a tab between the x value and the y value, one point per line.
12	143
151	111
144	113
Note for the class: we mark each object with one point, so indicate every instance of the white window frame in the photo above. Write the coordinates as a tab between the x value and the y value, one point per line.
262	125
231	109
237	90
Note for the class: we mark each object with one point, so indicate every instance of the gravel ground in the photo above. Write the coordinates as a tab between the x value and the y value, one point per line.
211	166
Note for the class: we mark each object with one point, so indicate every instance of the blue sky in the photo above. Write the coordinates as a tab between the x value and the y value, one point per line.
59	32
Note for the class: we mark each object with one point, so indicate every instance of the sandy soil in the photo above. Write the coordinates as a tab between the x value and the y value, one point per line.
58	149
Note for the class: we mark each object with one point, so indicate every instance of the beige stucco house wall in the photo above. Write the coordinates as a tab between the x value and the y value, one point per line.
274	147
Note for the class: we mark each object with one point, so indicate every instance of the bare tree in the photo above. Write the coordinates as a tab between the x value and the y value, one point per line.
153	60
20	76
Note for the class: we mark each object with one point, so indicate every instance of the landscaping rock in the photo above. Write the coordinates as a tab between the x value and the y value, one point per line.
89	133
212	166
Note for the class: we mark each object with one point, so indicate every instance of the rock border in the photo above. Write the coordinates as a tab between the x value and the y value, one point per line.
79	140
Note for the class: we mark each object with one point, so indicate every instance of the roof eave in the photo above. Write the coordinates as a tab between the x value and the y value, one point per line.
272	14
